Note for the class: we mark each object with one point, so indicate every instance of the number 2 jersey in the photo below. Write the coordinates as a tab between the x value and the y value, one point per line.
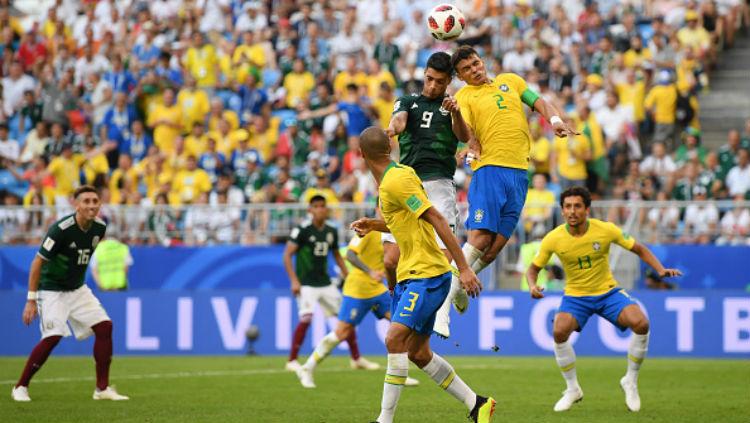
67	250
585	259
311	264
428	144
494	111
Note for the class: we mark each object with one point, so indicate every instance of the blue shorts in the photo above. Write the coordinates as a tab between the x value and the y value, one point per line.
496	198
607	305
416	301
353	310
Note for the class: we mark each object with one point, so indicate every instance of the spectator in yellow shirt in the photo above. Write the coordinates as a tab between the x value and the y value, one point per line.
322	187
298	84
249	52
661	102
218	113
540	202
384	104
694	36
202	62
193	103
569	159
191	182
632	93
197	141
637	55
540	150
377	76
66	170
352	75
125	174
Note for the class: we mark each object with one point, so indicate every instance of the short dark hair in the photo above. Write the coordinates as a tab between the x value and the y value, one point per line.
352	87
463	52
317	197
84	188
441	62
576	192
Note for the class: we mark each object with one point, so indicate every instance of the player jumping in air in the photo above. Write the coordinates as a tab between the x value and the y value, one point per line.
423	276
493	109
311	242
363	292
429	127
583	244
58	294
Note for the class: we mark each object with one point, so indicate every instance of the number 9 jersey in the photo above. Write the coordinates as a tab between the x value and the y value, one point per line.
67	250
585	258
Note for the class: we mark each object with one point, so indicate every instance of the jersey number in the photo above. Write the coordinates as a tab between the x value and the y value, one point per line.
499	101
412	301
84	256
321	249
584	262
426	120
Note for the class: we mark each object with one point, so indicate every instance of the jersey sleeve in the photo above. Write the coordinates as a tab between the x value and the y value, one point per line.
356	244
402	104
296	236
335	242
528	96
545	252
411	195
465	106
621	238
52	243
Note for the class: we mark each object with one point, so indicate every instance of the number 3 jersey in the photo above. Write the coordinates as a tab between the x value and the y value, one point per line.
428	144
311	264
67	250
585	258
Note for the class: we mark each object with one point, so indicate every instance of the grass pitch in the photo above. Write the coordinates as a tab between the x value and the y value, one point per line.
256	389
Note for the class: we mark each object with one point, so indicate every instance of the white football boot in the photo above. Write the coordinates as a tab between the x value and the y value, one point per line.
570	397
632	399
109	394
363	364
305	376
292	366
410	381
20	394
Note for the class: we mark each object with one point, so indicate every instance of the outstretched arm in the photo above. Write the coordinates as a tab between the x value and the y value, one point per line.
460	128
647	256
325	111
397	124
365	225
550	112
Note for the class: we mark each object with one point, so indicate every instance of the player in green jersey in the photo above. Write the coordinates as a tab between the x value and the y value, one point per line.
429	127
311	242
58	294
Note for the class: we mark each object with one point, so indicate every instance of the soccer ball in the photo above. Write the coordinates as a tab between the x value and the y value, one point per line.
446	22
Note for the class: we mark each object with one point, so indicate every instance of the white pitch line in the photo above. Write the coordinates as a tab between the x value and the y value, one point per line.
219	373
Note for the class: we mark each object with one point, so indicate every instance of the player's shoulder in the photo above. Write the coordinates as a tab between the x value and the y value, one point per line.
604	226
100	223
554	234
65	223
509	78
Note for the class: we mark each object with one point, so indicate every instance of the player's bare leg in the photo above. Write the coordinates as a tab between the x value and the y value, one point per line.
103	358
565	356
479	241
633	317
38	356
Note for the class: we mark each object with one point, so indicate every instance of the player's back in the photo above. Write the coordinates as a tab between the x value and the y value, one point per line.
402	202
428	144
495	113
585	258
359	284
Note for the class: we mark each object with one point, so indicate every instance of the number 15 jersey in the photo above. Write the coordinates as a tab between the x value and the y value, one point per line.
585	259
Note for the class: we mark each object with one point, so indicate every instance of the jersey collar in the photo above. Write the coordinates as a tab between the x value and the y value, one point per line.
390	166
588	225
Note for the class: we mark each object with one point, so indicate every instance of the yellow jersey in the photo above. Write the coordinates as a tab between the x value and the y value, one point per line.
634	95
298	87
568	151
189	185
539	153
495	113
166	135
194	105
202	63
370	250
585	258
402	202
66	173
663	99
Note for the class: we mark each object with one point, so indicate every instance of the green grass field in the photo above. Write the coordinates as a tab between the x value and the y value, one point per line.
255	389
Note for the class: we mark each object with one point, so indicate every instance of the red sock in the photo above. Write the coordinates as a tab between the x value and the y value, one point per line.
37	357
298	338
102	352
353	346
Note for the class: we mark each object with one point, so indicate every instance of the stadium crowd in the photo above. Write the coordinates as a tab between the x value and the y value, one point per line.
230	102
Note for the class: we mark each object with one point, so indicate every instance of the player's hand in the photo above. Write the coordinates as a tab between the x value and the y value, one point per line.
470	282
563	130
474	151
296	287
390	132
450	104
536	292
361	226
29	312
668	273
377	275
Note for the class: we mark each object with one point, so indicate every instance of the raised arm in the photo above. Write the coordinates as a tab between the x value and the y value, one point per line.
397	124
366	225
467	277
319	113
553	116
460	128
647	256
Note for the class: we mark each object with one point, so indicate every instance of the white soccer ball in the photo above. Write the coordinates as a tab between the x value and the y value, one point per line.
446	22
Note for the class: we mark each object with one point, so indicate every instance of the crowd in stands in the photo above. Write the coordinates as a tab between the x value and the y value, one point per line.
229	102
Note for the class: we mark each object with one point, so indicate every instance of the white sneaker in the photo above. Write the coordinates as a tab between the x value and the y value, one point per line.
292	366
305	376
632	399
109	394
20	394
410	381
570	397
442	323
363	364
461	301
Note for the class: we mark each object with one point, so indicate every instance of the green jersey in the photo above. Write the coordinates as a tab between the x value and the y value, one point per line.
313	244
67	250
428	143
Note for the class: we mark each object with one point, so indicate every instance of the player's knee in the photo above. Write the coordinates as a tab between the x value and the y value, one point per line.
390	261
560	334
344	330
641	326
420	357
103	329
52	340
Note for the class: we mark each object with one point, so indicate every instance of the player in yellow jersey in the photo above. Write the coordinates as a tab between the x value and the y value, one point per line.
493	109
363	292
423	277
582	244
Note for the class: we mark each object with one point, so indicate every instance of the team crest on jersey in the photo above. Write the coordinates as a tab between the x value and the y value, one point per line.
95	241
596	246
443	111
329	238
504	88
478	216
